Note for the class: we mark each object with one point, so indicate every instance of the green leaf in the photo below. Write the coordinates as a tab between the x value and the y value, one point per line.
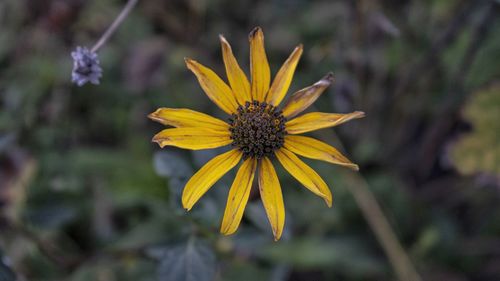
131	269
193	261
345	255
171	164
51	216
142	235
479	150
240	270
176	168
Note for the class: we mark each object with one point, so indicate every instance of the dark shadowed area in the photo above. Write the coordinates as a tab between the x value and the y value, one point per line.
86	195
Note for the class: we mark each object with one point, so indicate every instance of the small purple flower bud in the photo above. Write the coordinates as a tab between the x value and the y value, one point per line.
86	67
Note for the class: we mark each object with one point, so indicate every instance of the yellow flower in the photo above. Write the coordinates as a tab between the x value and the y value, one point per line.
257	130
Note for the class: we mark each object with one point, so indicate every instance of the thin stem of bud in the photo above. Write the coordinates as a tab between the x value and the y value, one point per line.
112	28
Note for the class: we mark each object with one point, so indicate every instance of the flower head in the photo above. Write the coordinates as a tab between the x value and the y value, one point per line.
258	131
86	67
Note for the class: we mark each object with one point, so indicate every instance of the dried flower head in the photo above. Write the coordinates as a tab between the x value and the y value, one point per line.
86	67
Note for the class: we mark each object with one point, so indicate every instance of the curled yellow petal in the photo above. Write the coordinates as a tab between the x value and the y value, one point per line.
216	89
259	66
181	117
302	99
237	78
272	199
192	138
318	120
210	173
304	174
315	149
238	196
283	78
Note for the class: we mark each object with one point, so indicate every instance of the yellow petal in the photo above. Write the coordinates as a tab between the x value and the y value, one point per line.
237	78
315	149
181	117
210	173
304	174
283	78
302	99
192	138
259	67
270	193
238	196
216	89
319	120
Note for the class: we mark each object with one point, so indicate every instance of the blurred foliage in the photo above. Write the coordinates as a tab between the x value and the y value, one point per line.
479	151
84	195
6	273
193	261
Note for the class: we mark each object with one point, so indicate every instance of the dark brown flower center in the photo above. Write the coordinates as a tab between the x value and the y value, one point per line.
257	129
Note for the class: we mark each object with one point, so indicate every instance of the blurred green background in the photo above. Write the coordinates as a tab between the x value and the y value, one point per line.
85	195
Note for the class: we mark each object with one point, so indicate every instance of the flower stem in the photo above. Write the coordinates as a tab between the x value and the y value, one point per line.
399	259
378	222
112	28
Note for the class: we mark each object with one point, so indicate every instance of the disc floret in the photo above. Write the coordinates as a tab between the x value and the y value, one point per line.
257	129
